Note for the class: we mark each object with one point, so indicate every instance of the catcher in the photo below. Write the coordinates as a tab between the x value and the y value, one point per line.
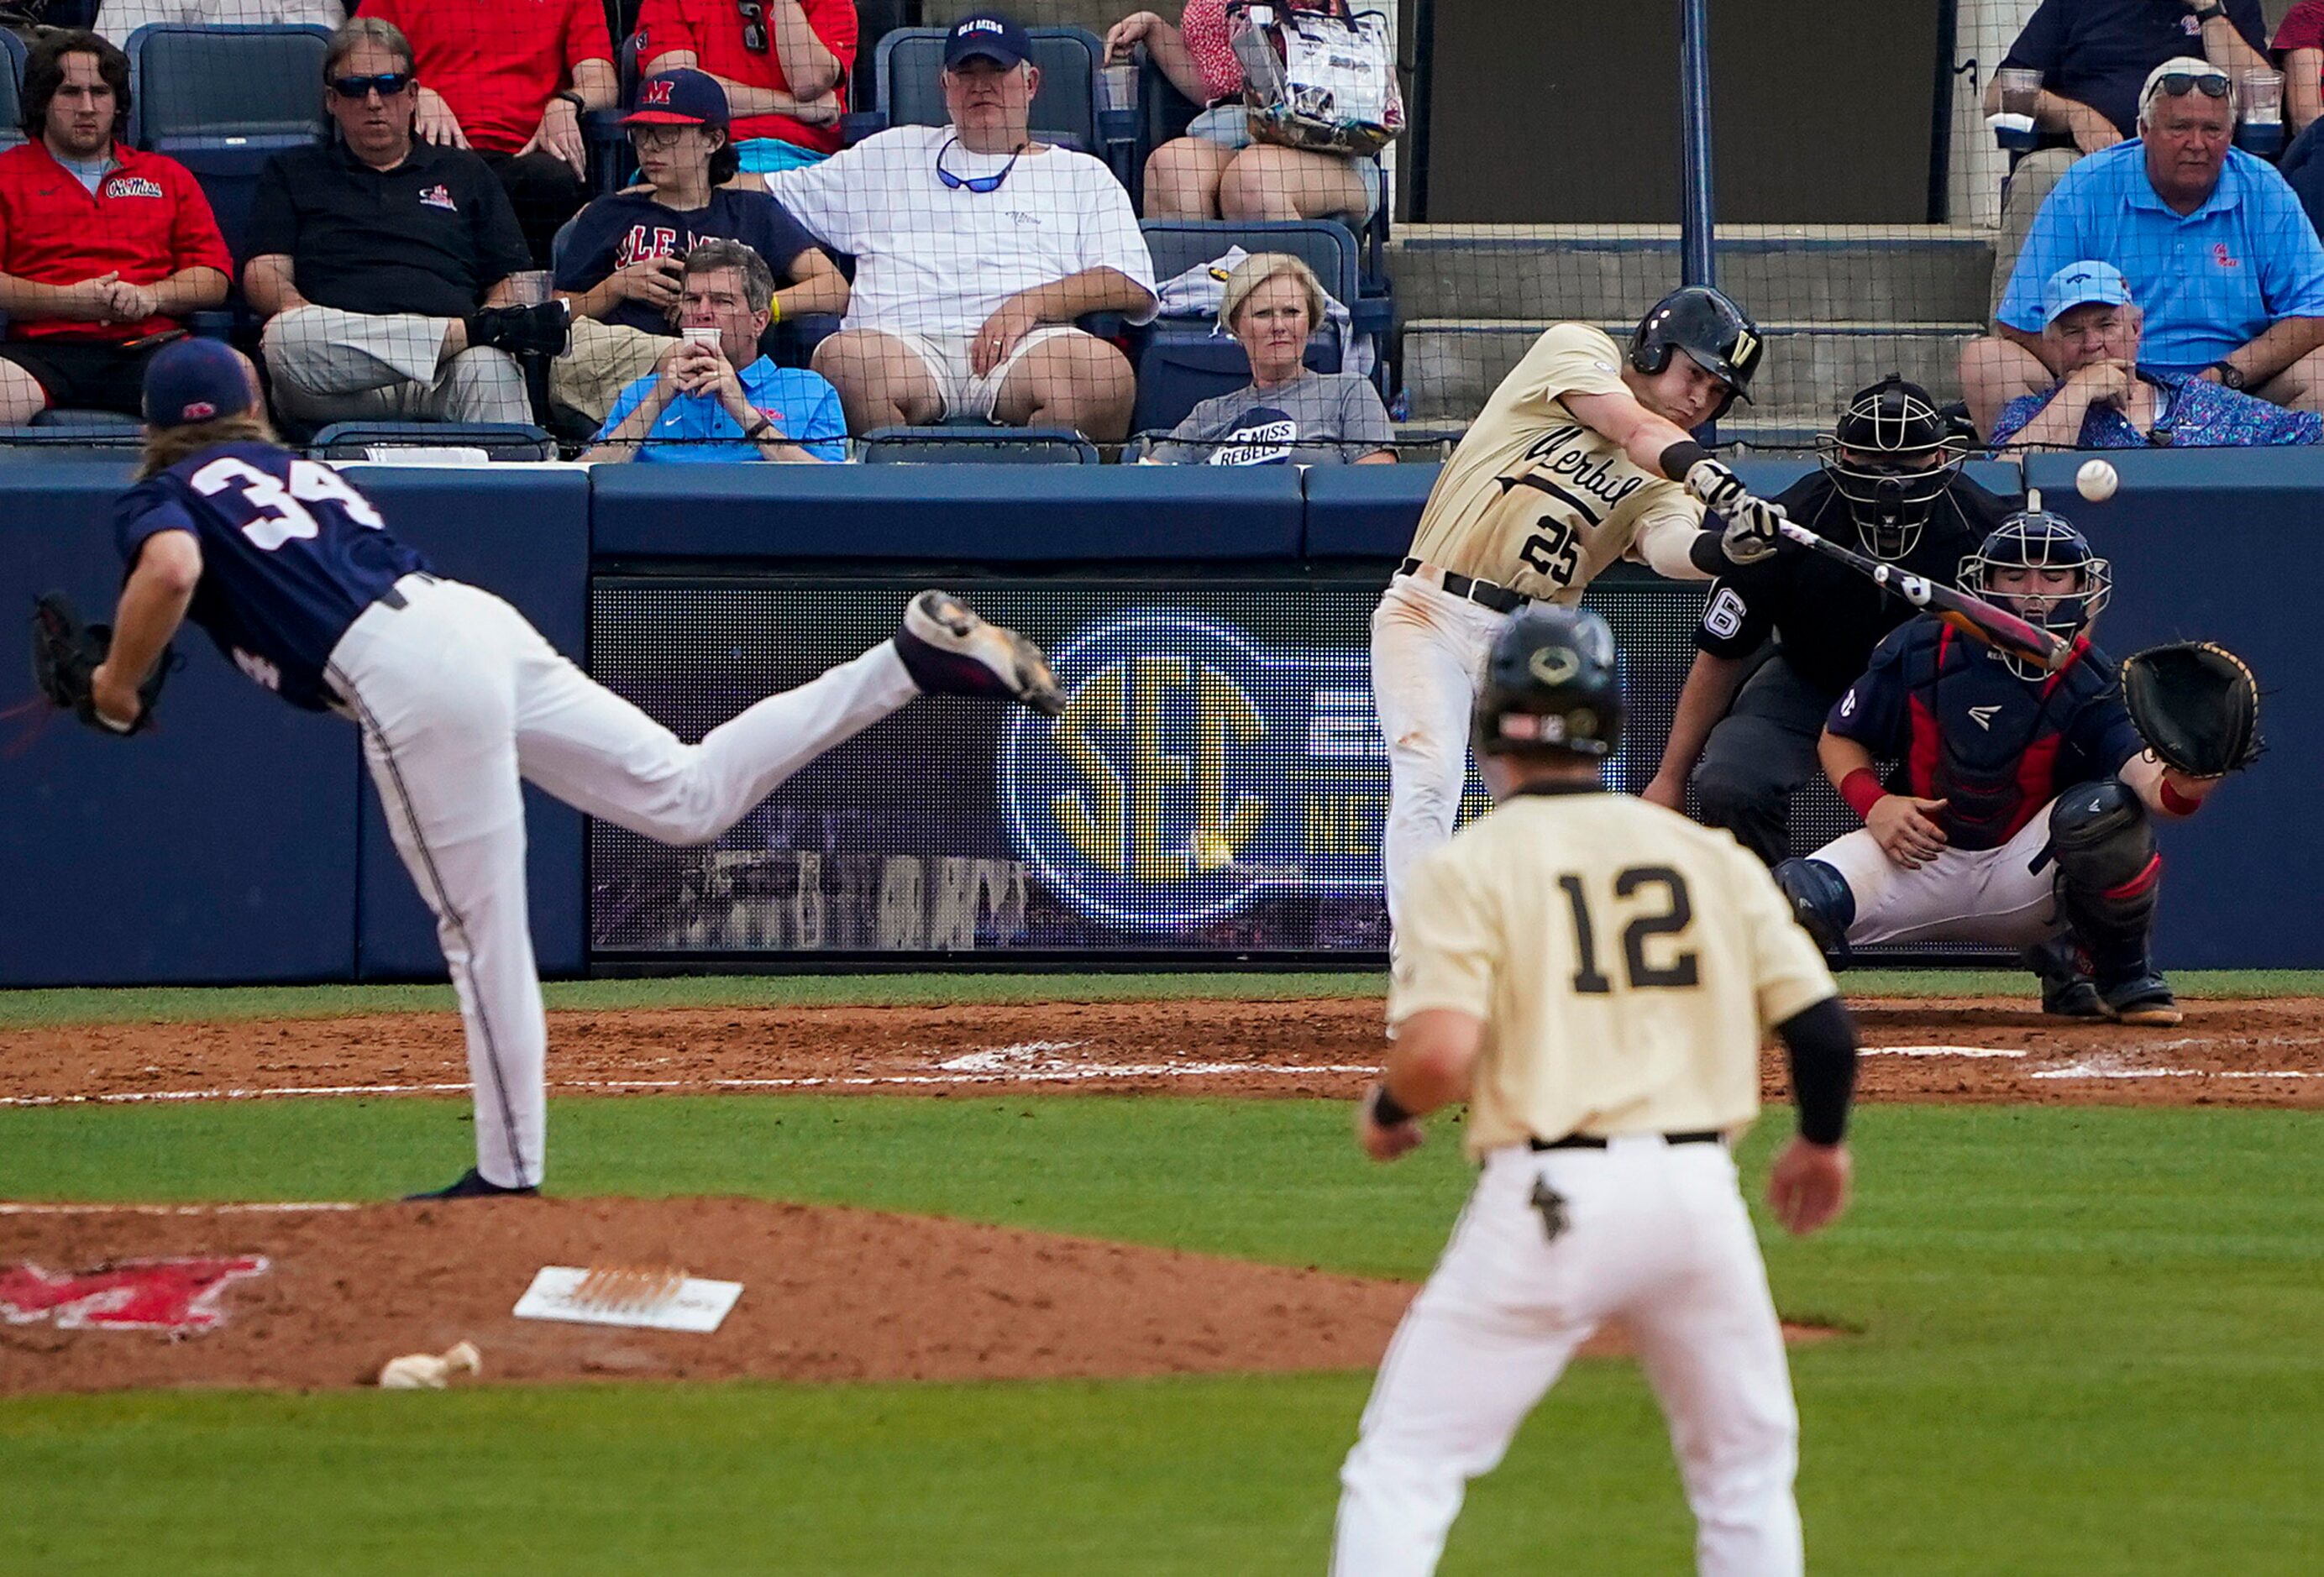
2021	812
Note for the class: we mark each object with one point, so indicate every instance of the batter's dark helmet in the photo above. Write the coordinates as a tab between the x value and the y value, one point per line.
1552	688
1714	331
1891	456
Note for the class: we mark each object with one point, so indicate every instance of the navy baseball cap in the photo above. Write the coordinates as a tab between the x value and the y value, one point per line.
682	97
2078	284
988	33
196	380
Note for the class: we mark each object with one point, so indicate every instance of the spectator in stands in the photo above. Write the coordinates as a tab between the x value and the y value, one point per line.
103	249
977	248
624	258
511	83
2226	267
723	402
2300	52
2107	400
382	261
783	64
2094	55
1287	413
1215	171
118	19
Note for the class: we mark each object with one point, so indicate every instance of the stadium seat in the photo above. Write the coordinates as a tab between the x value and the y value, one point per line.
224	100
12	89
366	440
1018	446
1184	361
1064	111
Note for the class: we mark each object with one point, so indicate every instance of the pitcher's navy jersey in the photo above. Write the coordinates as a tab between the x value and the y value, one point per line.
291	554
1967	729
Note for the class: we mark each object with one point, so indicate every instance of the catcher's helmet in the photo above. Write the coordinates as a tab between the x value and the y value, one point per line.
1552	688
1713	330
1891	457
2035	539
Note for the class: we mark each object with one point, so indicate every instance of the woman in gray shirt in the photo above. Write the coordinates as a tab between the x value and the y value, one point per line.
1286	414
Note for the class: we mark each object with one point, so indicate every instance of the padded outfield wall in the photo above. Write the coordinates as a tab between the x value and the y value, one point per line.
1215	792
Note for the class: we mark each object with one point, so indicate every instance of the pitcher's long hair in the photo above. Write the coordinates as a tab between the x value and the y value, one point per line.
166	445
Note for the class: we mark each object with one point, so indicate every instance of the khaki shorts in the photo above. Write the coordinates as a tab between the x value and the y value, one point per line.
946	357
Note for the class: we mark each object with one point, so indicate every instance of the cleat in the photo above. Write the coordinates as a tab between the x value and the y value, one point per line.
2143	999
2064	970
472	1184
949	650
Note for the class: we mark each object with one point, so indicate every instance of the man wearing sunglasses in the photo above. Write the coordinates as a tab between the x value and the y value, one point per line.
382	262
2217	251
977	248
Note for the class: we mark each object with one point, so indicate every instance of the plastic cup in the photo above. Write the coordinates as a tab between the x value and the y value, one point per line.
2263	98
528	287
1118	86
703	337
2020	89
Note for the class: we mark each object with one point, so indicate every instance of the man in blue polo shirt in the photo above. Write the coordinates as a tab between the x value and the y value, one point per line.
723	402
2219	254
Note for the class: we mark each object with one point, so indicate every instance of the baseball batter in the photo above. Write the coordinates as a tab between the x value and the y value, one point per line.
1580	457
293	574
1593	975
2020	811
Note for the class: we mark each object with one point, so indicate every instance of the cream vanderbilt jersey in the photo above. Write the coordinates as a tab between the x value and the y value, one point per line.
1627	963
1535	501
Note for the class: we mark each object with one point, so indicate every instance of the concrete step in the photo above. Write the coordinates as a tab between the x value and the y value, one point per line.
1906	273
1451	365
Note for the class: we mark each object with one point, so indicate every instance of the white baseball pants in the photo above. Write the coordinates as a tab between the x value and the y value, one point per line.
460	700
1429	649
1963	895
1656	1237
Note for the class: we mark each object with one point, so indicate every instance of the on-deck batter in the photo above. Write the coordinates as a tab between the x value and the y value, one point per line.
1576	460
292	572
1593	975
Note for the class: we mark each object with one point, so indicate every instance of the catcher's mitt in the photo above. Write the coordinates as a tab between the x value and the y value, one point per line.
2195	706
65	653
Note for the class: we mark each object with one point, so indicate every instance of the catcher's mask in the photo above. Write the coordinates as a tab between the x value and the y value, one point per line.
2035	538
1552	688
1713	331
1891	457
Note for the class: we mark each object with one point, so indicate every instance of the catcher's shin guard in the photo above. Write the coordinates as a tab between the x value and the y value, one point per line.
1821	901
2110	875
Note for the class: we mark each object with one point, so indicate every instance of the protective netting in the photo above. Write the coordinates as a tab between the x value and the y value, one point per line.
1226	233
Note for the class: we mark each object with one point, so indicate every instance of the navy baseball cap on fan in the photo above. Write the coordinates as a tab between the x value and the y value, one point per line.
988	33
196	380
682	97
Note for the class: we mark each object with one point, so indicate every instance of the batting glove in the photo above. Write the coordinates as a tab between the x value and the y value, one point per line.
1750	533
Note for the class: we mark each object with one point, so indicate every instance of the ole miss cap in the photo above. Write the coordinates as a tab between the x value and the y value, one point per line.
196	380
682	97
988	33
2078	284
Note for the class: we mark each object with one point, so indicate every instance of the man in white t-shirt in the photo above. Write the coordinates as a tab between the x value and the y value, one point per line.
977	248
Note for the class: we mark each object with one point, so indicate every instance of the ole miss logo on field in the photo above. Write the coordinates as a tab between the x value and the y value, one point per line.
137	1294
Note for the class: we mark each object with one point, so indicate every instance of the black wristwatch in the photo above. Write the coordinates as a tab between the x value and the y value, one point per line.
760	431
2207	13
2229	376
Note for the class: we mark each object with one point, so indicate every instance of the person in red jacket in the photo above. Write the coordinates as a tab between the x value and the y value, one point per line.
783	64
509	81
104	250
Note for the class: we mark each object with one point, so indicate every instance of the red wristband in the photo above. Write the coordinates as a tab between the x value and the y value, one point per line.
1861	788
2176	803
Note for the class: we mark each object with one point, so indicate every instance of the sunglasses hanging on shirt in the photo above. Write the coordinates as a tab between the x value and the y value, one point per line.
389	83
979	184
755	24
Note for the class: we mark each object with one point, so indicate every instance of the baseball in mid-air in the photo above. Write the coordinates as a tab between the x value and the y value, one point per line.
2097	481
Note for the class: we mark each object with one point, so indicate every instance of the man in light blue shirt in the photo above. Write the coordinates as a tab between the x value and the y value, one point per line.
2225	265
723	401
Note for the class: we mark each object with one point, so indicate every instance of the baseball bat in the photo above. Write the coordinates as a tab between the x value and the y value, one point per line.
1973	616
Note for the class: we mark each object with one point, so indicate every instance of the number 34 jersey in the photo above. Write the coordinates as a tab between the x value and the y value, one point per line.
1535	501
291	553
1627	962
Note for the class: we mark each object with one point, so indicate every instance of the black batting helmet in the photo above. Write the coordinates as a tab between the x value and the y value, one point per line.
1713	330
1552	688
1891	456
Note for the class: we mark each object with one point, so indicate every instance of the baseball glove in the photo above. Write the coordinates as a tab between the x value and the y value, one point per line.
2195	706
65	654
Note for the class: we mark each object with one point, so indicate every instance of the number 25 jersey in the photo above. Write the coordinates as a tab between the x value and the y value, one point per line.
1626	961
1535	501
291	553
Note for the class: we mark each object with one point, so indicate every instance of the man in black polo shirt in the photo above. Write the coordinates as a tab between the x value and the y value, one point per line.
1889	486
382	262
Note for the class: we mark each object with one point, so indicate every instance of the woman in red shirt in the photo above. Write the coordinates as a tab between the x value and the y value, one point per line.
1215	171
783	64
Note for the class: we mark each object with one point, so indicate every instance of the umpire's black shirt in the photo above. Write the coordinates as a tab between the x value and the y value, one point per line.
1828	616
430	236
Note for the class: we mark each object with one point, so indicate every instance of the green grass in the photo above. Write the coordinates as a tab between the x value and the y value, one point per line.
2086	1345
22	1010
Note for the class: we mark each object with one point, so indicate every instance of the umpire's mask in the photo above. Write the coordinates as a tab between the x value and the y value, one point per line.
1891	457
